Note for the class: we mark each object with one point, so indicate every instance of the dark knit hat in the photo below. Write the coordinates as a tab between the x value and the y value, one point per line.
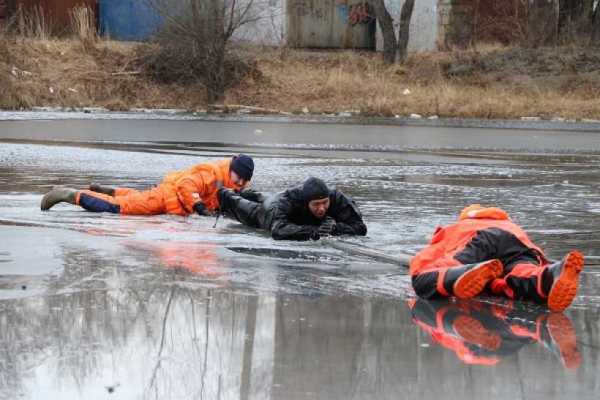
313	189
243	165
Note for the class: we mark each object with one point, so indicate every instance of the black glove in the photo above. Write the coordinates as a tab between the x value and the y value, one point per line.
315	234
201	209
252	195
223	193
327	227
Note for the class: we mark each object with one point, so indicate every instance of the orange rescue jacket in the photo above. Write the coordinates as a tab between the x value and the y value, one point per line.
183	189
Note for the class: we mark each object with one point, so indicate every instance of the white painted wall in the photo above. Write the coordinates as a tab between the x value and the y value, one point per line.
423	25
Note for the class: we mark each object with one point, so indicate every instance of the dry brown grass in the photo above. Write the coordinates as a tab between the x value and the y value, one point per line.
448	84
493	82
32	23
73	73
83	23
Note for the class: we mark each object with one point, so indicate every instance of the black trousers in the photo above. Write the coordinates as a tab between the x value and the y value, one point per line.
254	214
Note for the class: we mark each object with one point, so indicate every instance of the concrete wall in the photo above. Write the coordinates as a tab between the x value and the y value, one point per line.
423	25
329	24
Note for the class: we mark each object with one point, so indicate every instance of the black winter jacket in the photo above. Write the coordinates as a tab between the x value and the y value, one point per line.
292	220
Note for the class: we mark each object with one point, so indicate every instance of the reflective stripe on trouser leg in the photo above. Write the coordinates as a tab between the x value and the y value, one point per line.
439	281
525	282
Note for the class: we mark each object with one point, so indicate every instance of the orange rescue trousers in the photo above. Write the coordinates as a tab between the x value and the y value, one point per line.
125	201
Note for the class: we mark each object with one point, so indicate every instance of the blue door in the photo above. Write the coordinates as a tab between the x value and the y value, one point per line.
134	20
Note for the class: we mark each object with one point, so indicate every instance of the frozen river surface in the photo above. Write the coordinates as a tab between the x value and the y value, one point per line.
98	306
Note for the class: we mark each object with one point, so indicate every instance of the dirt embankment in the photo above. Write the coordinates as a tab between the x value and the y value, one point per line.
490	83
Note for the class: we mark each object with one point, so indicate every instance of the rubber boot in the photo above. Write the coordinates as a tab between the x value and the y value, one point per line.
58	195
95	187
561	281
468	281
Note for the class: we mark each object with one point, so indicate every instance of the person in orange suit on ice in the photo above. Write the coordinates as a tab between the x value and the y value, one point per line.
181	193
485	249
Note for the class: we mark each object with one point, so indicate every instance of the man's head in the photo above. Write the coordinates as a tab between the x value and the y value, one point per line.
316	195
242	168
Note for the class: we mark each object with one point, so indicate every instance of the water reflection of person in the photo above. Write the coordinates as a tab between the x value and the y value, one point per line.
484	333
196	257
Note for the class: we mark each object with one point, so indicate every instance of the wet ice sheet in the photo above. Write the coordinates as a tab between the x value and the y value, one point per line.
91	303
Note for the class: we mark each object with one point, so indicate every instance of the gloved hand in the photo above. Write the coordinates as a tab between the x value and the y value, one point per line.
252	195
201	209
327	227
315	234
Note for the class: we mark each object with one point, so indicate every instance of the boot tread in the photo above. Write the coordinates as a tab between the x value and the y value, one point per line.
564	289
472	282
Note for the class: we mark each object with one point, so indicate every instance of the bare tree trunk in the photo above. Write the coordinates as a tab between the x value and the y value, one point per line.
215	73
390	45
404	35
215	79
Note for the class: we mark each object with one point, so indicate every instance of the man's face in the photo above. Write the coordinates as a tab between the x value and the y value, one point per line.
319	207
235	178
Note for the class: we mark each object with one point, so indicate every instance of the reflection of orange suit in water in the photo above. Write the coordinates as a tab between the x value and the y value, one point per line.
198	258
483	334
176	194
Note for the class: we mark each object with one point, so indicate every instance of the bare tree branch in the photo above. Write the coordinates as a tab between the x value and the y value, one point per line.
194	41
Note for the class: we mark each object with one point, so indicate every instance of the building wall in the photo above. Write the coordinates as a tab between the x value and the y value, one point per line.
423	24
464	22
131	20
329	24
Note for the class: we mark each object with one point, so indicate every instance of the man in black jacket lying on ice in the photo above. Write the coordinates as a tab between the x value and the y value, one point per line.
308	211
